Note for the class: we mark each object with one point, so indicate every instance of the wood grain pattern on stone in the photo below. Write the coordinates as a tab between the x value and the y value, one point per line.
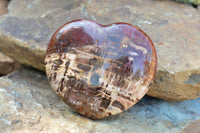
28	104
100	70
166	22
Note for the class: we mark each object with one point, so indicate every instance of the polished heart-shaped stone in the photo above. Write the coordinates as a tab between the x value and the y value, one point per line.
100	70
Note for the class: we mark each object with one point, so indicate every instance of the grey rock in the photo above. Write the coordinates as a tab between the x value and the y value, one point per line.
28	104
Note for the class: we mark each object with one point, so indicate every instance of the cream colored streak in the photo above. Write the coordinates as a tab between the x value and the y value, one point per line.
127	40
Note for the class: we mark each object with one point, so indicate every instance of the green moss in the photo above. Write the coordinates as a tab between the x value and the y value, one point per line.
194	2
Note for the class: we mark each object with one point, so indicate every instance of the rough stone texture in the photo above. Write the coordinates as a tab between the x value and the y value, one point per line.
7	65
193	127
28	104
173	27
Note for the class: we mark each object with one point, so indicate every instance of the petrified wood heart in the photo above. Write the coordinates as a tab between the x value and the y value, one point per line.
100	70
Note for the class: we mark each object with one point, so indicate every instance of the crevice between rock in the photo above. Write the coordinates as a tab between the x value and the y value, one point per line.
7	65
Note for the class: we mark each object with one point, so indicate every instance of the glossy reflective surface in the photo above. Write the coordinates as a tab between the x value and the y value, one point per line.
100	70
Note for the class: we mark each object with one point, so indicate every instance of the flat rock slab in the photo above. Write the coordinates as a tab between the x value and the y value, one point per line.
28	104
174	28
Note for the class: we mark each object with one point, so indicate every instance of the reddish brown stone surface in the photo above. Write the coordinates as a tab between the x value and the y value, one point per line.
100	70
